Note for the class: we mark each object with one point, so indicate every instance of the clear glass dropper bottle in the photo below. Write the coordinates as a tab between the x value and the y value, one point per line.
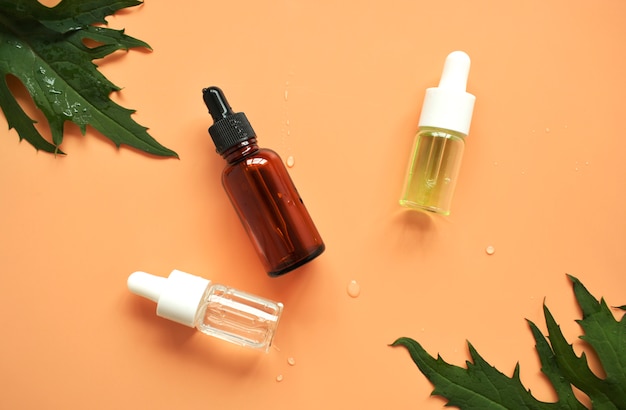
214	309
444	123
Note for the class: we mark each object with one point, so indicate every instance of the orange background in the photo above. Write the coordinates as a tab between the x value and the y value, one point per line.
338	86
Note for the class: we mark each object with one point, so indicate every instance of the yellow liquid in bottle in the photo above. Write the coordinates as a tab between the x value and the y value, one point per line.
433	170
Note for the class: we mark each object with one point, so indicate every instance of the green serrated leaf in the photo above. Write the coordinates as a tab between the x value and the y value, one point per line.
607	337
604	334
45	48
22	122
481	386
478	387
65	16
551	369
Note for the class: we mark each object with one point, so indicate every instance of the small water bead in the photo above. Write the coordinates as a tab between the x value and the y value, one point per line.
291	161
279	378
291	361
547	129
490	250
354	289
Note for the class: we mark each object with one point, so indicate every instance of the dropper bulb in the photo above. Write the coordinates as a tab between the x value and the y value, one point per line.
146	285
455	71
216	102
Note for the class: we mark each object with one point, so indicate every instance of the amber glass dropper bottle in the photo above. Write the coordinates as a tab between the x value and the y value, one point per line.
261	191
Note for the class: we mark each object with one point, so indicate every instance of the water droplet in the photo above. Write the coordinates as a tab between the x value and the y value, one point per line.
286	95
447	180
586	162
576	169
565	127
291	361
280	195
288	132
287	122
495	163
354	289
291	161
490	250
279	378
547	129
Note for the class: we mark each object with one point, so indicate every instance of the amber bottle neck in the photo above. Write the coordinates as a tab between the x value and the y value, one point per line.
240	150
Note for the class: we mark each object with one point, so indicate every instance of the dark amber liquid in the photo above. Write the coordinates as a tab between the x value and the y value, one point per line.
270	208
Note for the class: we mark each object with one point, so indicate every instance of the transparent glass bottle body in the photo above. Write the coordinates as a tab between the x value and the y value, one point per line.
433	170
270	208
238	317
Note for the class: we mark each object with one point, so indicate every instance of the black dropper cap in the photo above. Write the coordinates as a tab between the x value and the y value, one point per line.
229	128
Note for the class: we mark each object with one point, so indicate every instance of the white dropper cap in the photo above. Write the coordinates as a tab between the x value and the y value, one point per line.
449	106
178	296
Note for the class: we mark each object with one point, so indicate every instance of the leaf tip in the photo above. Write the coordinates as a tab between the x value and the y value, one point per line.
572	278
401	341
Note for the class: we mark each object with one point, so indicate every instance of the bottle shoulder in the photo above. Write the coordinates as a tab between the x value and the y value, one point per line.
436	132
266	154
259	159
